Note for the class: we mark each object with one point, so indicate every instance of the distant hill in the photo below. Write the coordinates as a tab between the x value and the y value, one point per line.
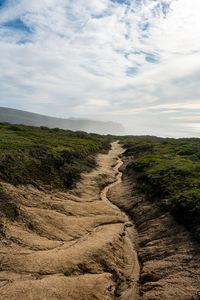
15	116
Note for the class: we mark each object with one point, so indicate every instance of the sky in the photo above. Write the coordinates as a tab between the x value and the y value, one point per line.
136	62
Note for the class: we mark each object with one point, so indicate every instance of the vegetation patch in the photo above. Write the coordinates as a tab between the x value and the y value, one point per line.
48	157
168	169
69	272
7	207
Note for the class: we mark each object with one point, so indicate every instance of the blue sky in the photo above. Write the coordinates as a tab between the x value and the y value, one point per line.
137	62
15	25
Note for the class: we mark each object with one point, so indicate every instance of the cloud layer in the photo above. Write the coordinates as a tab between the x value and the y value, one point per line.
136	61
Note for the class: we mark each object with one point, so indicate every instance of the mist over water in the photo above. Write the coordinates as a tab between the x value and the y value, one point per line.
14	116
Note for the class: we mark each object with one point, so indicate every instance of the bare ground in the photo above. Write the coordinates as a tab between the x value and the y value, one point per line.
69	245
169	257
78	245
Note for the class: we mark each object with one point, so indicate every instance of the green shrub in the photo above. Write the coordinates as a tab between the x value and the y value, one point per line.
169	168
43	156
7	207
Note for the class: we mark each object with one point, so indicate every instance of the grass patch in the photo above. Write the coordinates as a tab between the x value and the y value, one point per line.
168	169
48	157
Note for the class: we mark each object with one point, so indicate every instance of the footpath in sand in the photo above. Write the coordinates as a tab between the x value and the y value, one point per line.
80	246
74	245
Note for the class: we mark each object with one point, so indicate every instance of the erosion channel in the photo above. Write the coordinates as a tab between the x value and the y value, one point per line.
84	245
74	245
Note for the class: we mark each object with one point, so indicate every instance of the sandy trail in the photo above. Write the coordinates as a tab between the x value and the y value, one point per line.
69	245
169	256
81	246
118	179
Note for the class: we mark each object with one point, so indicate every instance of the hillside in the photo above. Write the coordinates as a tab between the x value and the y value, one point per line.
43	156
15	116
66	244
160	193
77	225
167	171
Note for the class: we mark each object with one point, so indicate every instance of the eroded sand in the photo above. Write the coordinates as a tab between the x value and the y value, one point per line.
169	256
69	245
78	245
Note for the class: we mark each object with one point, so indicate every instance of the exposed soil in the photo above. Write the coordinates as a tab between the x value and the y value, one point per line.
69	245
79	245
169	256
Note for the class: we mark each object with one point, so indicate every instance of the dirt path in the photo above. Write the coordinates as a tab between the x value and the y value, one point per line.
169	257
69	245
81	246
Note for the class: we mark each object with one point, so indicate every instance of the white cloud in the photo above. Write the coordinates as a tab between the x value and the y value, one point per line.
170	111
101	59
186	118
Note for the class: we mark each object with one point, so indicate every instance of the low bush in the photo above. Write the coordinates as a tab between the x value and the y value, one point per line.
43	156
7	207
169	168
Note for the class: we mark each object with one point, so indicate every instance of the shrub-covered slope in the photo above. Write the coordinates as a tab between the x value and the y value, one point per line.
168	171
43	156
